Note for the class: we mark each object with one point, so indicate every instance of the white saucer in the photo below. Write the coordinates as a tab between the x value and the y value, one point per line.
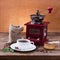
23	48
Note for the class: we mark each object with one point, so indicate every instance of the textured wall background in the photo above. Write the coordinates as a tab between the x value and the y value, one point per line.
17	12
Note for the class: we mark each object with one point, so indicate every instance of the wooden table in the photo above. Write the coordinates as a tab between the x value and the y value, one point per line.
38	54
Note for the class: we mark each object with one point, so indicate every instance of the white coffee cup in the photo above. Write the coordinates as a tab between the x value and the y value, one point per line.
24	42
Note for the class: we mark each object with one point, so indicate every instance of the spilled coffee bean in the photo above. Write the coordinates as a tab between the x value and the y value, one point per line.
16	48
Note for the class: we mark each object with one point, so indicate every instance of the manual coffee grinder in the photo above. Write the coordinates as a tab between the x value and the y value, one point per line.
36	29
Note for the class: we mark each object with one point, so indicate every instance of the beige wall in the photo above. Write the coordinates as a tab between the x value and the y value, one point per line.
18	11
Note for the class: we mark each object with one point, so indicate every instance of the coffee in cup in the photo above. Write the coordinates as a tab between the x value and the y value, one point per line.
24	42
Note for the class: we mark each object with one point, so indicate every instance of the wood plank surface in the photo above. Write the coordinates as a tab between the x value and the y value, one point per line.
38	52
